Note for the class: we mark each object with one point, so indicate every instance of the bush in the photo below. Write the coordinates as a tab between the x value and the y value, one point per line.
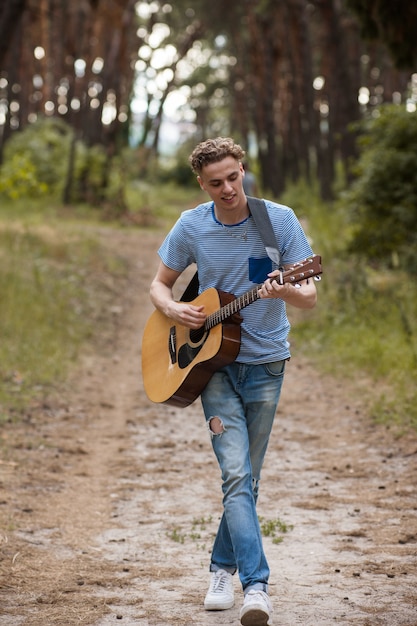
43	158
36	159
18	178
384	196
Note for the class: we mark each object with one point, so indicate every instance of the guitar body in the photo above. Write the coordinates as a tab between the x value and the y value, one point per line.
177	362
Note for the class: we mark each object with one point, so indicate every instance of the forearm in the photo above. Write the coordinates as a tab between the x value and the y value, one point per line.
161	296
185	313
301	296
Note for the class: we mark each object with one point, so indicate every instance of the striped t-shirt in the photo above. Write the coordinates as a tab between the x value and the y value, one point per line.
234	259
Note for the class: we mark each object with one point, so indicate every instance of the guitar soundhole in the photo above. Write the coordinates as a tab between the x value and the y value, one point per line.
188	351
197	335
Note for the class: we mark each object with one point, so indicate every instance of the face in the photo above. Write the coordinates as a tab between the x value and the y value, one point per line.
223	183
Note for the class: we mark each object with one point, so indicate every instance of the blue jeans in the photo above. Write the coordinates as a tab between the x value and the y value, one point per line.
239	404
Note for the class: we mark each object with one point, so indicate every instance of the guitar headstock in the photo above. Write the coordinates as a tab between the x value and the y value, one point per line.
308	268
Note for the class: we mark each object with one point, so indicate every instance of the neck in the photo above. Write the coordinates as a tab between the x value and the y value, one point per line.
232	217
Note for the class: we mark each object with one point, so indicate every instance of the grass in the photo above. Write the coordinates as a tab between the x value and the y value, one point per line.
364	325
197	533
370	337
269	528
50	281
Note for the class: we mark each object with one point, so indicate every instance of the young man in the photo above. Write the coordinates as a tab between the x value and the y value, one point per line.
240	400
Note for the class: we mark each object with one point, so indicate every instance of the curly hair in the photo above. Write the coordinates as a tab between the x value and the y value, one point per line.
213	150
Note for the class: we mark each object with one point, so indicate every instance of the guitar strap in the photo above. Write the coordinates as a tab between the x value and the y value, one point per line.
260	215
263	223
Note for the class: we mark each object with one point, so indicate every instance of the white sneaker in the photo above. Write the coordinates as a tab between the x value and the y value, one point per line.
220	595
256	609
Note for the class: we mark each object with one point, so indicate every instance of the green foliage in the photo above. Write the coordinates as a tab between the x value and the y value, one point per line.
383	200
38	154
89	167
198	532
38	161
364	323
18	178
366	328
270	528
178	173
202	522
176	535
327	225
156	204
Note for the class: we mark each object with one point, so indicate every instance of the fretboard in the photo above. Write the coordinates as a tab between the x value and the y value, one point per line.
232	307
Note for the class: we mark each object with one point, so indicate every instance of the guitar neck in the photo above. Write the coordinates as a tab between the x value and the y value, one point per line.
308	268
232	307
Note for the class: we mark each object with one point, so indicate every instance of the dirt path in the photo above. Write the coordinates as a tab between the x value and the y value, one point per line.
109	504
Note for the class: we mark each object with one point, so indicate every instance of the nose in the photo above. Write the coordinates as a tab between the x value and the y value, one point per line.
227	186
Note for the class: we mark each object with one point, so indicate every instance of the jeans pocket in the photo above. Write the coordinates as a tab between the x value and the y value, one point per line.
276	368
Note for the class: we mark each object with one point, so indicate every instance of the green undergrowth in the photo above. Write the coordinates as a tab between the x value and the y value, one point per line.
159	205
54	286
372	338
364	326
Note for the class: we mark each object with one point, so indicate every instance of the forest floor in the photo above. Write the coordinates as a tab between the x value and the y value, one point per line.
109	503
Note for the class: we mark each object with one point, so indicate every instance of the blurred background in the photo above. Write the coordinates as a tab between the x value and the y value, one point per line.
101	101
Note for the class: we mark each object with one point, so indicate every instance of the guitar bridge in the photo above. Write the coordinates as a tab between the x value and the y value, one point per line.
172	344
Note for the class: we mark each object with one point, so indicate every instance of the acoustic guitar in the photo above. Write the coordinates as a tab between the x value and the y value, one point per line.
178	362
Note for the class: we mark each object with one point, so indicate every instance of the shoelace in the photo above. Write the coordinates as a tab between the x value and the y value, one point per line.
219	582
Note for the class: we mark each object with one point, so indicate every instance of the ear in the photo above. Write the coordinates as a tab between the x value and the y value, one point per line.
201	183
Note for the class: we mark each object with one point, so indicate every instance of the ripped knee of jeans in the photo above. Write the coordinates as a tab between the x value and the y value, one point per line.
215	426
